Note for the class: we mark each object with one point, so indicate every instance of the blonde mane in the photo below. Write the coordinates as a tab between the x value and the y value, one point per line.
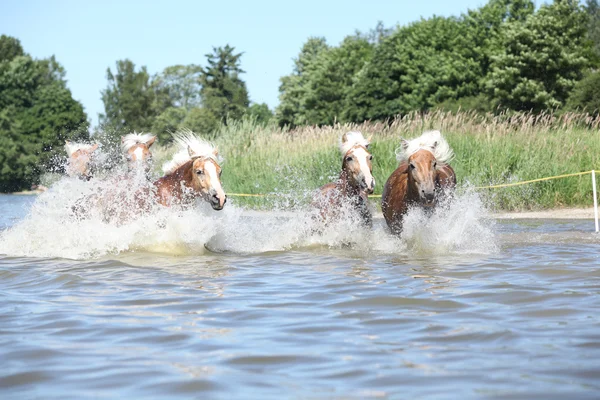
352	138
431	141
191	146
134	138
72	147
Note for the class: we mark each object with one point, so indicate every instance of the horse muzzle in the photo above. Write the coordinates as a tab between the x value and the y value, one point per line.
216	203
368	189
428	199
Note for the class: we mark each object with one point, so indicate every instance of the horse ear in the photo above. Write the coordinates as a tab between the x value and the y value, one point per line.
122	139
370	138
434	145
345	137
191	152
404	144
216	151
151	141
94	148
67	142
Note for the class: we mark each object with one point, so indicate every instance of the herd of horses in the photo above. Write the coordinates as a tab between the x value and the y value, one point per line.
423	177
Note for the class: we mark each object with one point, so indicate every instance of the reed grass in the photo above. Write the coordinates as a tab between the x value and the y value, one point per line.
490	149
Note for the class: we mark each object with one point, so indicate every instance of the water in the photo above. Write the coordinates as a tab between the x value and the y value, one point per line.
463	307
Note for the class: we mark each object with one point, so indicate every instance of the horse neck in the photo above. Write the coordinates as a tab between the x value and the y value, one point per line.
345	186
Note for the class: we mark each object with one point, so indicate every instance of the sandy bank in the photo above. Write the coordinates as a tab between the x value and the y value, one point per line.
559	213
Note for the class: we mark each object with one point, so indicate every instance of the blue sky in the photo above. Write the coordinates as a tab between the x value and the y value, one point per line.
89	36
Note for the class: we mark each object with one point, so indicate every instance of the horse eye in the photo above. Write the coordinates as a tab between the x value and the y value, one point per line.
434	164
412	166
370	158
200	172
348	158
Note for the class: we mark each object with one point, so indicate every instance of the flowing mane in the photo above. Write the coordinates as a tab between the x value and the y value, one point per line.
350	139
191	146
431	141
134	138
72	147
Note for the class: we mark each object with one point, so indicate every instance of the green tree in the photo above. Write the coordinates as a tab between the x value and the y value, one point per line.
586	94
541	59
260	112
131	101
329	85
416	67
223	92
38	113
593	12
10	48
294	87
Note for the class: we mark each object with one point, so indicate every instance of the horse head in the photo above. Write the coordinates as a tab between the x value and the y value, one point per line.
137	149
206	178
80	157
357	163
422	172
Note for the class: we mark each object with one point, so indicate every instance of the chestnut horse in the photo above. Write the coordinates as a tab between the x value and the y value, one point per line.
136	147
79	159
421	179
193	173
353	186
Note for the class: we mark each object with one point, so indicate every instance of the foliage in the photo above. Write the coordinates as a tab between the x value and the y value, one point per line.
586	94
131	101
289	164
223	93
542	59
37	114
260	112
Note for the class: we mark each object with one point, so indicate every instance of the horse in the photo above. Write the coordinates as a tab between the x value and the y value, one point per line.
127	193
194	172
421	179
355	183
79	159
136	148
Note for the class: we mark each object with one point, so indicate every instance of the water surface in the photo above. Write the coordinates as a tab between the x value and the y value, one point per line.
463	307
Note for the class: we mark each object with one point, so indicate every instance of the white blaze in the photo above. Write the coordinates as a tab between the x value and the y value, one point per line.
139	153
362	155
211	171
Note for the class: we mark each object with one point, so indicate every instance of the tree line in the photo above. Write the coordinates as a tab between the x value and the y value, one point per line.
506	56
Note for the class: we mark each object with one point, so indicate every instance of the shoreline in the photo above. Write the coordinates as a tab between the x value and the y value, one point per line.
556	213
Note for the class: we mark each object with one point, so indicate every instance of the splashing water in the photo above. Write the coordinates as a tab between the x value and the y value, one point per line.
81	220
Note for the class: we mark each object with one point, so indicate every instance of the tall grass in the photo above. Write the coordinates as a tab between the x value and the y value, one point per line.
490	149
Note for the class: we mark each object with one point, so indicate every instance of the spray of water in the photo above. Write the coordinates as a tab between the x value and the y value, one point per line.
80	220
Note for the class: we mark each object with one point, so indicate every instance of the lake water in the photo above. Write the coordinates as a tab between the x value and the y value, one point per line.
462	307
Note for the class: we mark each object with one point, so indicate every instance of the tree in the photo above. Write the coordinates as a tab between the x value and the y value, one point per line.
586	94
131	101
38	113
330	82
260	112
294	87
223	93
10	48
593	12
416	67
541	59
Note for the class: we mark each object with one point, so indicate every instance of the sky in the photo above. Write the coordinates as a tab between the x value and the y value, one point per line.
88	36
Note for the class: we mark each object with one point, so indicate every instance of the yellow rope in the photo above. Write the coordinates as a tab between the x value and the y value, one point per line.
533	180
476	187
